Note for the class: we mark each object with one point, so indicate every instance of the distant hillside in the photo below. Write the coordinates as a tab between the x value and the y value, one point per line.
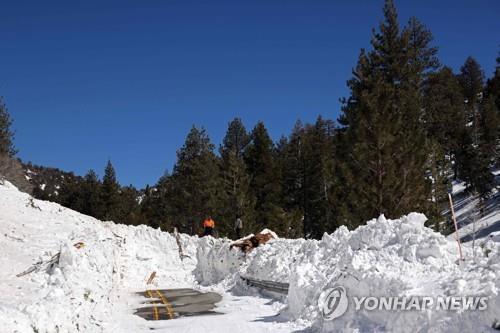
48	181
88	195
58	186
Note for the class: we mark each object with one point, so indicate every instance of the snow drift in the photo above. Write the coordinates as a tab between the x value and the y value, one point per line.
383	258
90	289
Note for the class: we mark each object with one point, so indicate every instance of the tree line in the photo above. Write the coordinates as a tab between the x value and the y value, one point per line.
409	127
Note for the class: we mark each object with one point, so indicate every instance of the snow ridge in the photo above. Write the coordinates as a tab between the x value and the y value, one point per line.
89	290
383	258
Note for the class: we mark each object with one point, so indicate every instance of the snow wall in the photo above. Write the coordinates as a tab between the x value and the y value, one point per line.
385	257
88	289
382	258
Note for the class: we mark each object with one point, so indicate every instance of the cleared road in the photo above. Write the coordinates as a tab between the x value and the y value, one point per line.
173	303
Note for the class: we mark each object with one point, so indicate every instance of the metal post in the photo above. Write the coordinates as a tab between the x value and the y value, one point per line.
178	240
474	232
456	226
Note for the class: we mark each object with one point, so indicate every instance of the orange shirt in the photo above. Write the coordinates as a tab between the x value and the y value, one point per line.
208	223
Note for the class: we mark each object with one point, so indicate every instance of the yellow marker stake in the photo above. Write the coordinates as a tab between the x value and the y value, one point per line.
157	317
155	310
168	306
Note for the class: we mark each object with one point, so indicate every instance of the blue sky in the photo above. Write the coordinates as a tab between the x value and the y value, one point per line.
88	81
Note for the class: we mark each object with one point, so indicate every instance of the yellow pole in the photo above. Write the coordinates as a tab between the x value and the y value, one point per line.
155	309
168	306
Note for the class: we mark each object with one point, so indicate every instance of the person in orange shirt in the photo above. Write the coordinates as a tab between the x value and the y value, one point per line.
208	226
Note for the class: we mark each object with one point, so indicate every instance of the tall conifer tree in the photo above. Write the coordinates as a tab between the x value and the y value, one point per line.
196	189
386	148
293	163
6	133
475	159
237	199
493	93
444	120
91	195
110	194
265	184
320	171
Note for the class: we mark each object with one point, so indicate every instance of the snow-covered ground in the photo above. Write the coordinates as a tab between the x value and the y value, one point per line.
92	288
471	224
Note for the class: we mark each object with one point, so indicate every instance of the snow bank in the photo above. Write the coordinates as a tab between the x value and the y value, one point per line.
89	289
403	258
218	264
383	258
215	261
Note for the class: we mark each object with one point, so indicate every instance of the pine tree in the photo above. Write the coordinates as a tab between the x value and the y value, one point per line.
11	168
196	189
413	157
91	195
290	167
319	154
474	160
444	115
237	200
130	212
386	149
489	129
154	205
292	163
471	79
110	194
70	193
236	139
308	177
163	200
494	84
440	174
493	92
444	120
346	199
265	182
6	134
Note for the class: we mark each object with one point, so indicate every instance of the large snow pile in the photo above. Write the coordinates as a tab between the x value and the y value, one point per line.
383	258
89	289
93	288
216	263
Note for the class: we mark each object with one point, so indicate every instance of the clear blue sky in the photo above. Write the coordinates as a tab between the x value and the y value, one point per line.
90	80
